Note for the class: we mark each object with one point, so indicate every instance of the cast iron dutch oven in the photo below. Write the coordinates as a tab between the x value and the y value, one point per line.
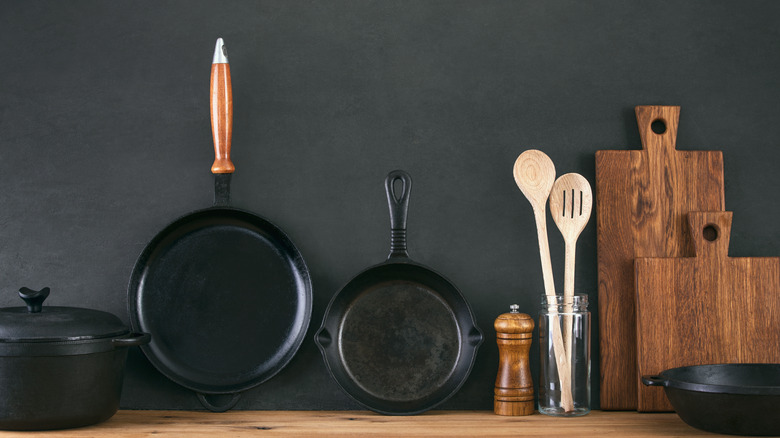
399	338
737	399
60	367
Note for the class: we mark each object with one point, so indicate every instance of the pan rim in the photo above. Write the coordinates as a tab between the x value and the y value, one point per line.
675	382
470	339
296	335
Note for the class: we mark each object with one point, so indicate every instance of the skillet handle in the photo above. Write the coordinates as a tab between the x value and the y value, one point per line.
222	407
398	206
221	110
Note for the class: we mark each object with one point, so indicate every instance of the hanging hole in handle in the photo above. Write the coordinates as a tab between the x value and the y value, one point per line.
710	232
658	126
398	189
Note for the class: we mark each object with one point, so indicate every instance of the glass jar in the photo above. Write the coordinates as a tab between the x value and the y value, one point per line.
564	335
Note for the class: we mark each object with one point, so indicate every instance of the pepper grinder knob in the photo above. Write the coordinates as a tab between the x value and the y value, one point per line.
514	392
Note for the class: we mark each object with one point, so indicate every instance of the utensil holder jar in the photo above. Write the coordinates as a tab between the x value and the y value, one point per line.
573	318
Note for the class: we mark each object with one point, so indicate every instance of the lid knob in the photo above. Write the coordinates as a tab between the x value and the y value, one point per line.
34	298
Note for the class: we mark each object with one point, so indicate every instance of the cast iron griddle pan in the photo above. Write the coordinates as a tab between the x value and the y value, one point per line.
225	294
399	338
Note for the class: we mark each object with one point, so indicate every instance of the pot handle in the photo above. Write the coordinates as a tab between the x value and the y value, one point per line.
134	339
654	380
219	408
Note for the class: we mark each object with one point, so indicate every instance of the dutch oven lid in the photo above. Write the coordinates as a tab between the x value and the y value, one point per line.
38	323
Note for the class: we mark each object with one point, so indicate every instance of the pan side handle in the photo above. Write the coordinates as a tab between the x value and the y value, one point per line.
132	340
475	337
204	400
654	381
398	203
323	338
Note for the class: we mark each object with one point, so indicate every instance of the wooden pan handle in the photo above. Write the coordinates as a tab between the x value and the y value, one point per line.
658	127
221	110
710	232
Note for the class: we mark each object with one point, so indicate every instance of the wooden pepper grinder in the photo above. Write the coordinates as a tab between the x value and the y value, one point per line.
514	392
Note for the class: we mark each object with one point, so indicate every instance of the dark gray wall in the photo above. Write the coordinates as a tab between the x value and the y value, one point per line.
105	138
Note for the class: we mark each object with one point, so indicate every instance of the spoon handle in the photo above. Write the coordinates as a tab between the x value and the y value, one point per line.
544	252
559	350
568	295
568	273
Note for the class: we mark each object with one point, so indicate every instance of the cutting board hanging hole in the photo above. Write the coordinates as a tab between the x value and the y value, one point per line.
658	126
710	232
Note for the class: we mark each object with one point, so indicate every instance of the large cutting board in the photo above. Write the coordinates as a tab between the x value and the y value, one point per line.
642	197
706	309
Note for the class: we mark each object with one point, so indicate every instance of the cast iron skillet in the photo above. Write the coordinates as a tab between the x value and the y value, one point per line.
738	399
399	338
225	294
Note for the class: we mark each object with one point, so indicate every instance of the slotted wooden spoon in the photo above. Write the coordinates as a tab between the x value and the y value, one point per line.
571	202
534	174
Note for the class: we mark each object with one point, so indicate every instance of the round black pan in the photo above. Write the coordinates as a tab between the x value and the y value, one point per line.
225	294
399	338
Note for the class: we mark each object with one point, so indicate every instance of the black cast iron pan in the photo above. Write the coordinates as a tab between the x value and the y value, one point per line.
399	338
225	294
737	399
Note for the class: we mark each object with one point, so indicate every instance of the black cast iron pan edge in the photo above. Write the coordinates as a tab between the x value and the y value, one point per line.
668	379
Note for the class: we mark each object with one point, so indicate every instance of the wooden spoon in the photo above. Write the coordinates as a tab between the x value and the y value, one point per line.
535	174
571	202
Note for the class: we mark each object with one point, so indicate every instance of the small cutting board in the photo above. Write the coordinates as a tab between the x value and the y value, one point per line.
642	197
706	309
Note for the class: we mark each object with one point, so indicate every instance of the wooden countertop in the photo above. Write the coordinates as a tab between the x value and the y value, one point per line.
362	423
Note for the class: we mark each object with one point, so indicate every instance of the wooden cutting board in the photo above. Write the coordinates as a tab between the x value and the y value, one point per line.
706	309
642	197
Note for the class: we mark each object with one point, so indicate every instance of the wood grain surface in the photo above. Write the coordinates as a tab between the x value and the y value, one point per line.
221	100
706	309
136	424
571	214
514	391
642	197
